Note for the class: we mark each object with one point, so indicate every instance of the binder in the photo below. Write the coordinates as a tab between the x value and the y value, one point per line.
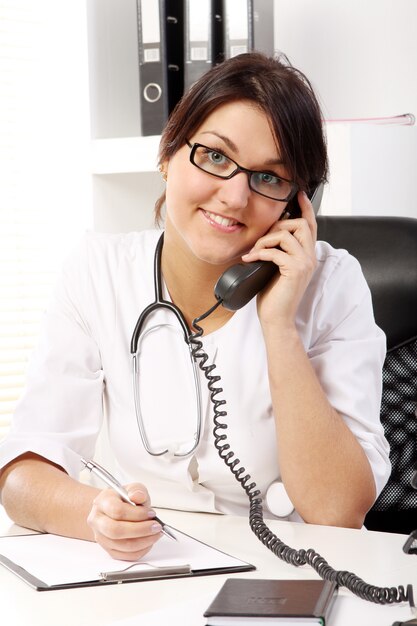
239	28
113	68
203	38
160	52
47	562
263	26
173	32
152	71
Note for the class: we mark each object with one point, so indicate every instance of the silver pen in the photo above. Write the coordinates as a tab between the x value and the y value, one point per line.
114	484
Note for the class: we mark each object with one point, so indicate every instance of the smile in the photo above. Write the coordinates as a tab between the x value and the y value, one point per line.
223	221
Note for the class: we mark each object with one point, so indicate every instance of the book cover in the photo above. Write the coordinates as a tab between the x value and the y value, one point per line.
256	601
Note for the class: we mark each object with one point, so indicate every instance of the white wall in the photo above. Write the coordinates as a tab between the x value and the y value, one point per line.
361	55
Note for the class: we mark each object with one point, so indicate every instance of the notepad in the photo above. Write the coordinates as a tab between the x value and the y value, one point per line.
48	562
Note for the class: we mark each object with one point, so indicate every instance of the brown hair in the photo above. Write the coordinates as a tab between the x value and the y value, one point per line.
281	91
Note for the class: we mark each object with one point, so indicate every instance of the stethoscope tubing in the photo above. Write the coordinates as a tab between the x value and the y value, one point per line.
161	303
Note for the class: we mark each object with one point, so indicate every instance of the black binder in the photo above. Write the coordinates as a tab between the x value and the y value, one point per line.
173	29
203	38
160	50
152	72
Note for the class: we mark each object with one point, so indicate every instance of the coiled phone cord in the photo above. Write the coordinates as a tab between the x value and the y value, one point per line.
378	595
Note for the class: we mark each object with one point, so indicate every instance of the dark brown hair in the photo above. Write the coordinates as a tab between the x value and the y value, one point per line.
282	92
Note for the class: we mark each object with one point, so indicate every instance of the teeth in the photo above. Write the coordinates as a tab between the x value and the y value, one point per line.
223	221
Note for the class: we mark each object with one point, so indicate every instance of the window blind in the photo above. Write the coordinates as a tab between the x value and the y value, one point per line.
45	193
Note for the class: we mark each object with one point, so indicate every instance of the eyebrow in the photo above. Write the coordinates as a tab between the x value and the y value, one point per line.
232	146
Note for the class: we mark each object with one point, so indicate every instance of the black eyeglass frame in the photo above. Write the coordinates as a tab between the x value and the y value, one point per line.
239	168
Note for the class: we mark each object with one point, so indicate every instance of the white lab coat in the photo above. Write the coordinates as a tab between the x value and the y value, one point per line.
81	375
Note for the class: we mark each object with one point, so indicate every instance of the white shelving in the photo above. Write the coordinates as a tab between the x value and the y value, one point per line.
125	155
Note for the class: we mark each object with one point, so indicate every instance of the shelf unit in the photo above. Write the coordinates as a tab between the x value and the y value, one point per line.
124	155
126	183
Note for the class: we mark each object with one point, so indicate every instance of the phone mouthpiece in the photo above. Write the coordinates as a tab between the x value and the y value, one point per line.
241	282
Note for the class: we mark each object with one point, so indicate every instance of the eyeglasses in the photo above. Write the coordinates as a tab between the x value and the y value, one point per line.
217	164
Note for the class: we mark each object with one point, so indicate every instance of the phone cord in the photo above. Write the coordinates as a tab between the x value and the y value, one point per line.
379	595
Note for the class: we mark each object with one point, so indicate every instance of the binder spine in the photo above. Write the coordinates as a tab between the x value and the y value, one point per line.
152	67
173	35
263	26
198	41
217	33
239	32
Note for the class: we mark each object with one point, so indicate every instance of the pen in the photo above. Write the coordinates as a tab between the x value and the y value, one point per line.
114	484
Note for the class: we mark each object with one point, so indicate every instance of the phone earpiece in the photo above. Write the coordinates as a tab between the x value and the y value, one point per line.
315	196
285	216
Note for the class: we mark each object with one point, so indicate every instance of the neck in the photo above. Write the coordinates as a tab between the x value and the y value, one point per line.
190	283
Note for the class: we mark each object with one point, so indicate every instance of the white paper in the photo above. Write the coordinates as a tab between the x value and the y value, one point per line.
59	560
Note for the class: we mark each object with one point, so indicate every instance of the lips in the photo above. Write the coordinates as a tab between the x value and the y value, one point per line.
222	221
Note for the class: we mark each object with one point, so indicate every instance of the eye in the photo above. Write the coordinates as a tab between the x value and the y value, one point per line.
263	178
216	158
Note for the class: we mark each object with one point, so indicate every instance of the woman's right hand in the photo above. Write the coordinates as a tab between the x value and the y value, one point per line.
126	532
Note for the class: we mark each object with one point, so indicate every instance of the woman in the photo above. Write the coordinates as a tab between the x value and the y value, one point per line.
300	365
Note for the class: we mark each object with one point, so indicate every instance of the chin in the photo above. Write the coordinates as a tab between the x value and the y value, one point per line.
218	260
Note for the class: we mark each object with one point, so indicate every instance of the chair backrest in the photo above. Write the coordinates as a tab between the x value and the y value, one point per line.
386	248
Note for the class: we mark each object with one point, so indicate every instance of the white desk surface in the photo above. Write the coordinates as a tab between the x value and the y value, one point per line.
376	557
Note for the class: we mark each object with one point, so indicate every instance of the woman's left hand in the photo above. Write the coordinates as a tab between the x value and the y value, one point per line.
290	244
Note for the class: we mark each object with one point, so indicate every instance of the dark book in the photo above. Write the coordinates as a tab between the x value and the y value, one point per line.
259	602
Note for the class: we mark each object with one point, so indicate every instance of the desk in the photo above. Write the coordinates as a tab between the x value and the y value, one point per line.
376	557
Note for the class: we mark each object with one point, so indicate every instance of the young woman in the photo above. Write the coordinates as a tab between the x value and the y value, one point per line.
300	364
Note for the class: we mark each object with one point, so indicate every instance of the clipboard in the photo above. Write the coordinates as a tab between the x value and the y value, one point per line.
47	562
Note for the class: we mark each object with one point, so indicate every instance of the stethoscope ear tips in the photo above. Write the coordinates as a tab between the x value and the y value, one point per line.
278	500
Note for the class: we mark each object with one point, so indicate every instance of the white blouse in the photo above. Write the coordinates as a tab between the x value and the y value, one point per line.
80	376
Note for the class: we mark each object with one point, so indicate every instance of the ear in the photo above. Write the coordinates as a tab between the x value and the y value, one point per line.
163	169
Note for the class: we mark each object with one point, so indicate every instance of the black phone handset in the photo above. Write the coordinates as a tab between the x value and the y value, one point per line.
235	291
241	282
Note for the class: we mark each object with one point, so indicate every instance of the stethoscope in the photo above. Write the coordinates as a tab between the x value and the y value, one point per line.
138	335
277	498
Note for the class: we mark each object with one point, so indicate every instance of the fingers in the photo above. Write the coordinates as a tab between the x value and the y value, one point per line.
128	548
307	213
294	236
125	531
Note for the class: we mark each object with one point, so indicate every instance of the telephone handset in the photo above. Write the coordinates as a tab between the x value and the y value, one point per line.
241	282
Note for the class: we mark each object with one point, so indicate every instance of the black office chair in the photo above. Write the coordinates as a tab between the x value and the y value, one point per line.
386	248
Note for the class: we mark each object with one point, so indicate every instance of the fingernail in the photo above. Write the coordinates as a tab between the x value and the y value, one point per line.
151	514
156	528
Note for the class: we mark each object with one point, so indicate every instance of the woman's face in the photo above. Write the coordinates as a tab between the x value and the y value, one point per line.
218	220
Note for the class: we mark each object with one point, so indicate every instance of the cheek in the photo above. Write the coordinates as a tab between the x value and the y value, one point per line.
267	220
187	192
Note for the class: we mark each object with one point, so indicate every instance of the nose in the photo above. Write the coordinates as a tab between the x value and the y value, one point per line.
235	192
